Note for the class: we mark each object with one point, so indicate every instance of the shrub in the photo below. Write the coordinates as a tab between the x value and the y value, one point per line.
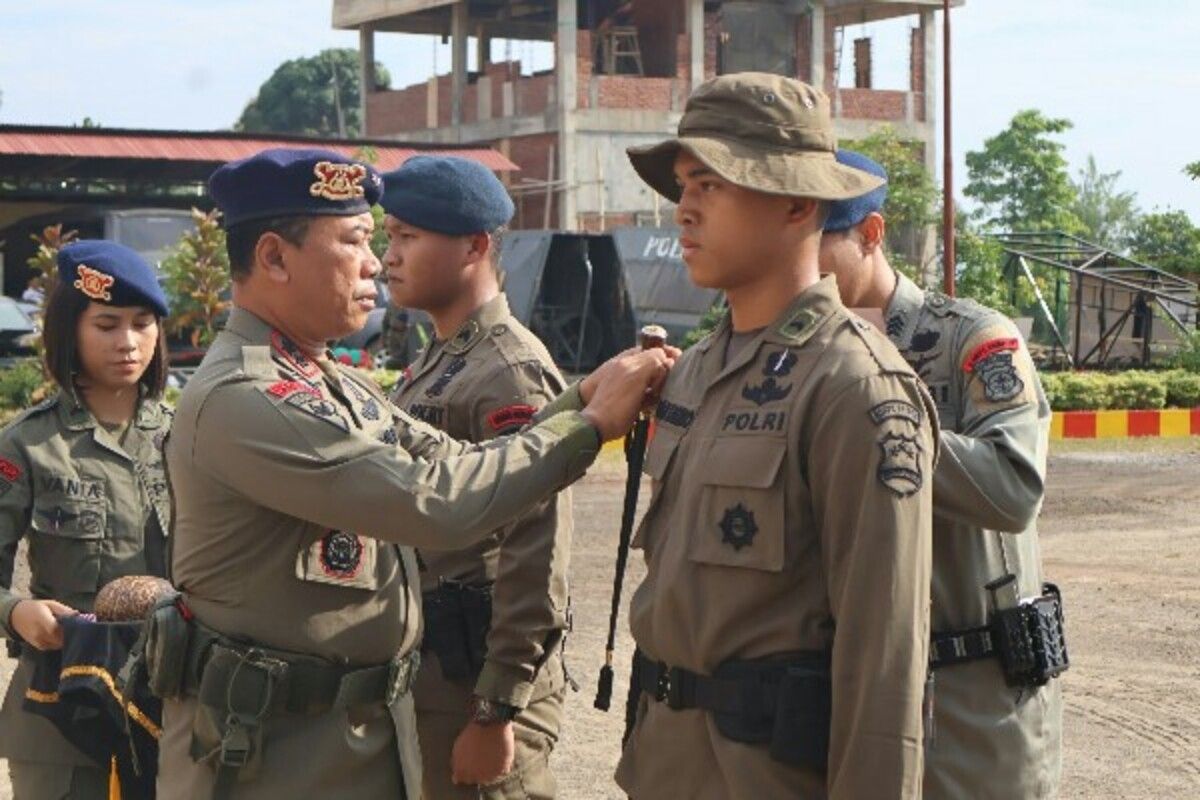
1080	391
1135	391
1188	357
19	382
1183	389
386	378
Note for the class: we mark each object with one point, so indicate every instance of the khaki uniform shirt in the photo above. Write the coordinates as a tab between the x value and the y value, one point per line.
487	380
989	740
295	482
791	511
93	509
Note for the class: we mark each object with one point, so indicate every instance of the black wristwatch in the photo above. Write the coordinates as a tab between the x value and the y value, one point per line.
490	712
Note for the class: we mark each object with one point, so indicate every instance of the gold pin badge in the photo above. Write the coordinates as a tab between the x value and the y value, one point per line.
94	283
338	181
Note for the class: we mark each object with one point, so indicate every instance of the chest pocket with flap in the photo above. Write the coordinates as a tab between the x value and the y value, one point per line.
65	555
739	519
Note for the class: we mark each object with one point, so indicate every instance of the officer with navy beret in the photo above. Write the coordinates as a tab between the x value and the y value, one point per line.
300	491
82	479
491	688
989	738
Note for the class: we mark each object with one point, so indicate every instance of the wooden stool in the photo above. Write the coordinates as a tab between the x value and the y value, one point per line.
621	45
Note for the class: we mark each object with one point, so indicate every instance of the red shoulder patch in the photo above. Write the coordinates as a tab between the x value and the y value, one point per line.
990	348
285	389
511	417
8	470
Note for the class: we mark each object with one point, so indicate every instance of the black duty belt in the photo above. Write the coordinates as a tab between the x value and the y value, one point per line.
751	694
958	647
299	685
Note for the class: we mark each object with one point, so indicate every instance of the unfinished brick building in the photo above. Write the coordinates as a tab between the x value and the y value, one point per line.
622	73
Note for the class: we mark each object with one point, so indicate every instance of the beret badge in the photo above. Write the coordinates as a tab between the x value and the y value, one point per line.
338	181
94	283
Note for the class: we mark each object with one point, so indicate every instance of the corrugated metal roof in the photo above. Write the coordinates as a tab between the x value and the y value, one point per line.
217	147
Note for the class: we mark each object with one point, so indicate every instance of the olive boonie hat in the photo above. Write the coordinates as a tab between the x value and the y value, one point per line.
759	131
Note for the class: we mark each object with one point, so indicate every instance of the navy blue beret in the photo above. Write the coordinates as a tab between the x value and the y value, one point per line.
845	214
112	274
446	195
284	182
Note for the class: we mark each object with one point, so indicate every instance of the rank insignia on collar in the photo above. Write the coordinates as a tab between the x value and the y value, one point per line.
766	392
900	465
293	357
453	368
780	363
798	324
738	527
94	283
338	181
341	555
895	325
285	389
8	470
389	436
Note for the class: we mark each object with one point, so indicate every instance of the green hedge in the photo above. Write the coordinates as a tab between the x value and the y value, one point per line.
1132	390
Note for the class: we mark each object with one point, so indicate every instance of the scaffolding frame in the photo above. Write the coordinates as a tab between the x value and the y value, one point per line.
1151	288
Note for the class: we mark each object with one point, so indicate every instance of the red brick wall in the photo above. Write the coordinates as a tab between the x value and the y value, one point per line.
395	111
712	34
621	91
531	154
874	104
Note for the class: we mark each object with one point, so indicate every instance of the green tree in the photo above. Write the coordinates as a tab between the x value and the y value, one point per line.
1020	179
44	263
1106	213
912	200
315	96
1167	240
1193	169
196	277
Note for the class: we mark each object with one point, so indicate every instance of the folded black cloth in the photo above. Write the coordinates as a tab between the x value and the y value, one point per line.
77	689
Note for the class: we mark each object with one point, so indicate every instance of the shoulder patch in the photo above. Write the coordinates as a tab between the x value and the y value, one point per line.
990	348
895	409
510	417
900	463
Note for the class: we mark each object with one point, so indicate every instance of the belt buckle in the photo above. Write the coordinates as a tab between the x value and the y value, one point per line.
669	688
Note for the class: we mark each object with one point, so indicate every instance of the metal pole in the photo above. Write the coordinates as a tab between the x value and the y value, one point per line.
947	162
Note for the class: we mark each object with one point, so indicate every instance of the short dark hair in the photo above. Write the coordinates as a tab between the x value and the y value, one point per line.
60	341
242	238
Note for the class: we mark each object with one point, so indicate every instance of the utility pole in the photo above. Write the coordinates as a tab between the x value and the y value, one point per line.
947	163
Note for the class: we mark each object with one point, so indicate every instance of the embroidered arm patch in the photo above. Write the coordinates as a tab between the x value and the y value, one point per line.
510	418
9	471
988	349
895	409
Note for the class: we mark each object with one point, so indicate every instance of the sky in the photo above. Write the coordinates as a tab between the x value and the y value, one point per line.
1127	75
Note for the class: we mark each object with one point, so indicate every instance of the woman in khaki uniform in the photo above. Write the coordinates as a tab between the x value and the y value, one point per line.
81	475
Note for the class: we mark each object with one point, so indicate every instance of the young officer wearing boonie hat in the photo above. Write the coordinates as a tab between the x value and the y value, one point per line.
495	614
989	740
782	628
300	491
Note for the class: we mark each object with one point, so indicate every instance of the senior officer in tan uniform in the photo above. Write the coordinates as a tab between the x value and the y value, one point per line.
989	739
495	614
295	482
81	479
782	627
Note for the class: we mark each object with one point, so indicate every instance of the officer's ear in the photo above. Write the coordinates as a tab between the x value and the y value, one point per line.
806	209
478	245
269	254
871	232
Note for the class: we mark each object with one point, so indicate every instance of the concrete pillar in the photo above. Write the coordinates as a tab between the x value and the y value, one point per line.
565	70
932	87
693	13
483	50
458	63
816	69
366	71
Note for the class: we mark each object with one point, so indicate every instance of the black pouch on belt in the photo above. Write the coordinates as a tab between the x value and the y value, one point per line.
1030	639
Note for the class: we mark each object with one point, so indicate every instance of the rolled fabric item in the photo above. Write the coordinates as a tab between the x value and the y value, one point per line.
129	599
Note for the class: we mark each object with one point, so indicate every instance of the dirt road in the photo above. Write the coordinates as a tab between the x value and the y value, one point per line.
1121	536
